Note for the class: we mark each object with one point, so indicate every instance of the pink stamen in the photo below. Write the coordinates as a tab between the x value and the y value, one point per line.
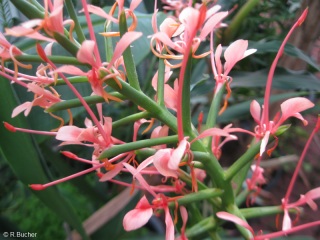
39	187
14	129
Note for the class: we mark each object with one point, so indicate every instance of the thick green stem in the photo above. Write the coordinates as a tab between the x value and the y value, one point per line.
213	112
28	9
130	119
74	17
127	147
127	56
247	157
55	59
73	103
198	196
160	84
201	227
71	47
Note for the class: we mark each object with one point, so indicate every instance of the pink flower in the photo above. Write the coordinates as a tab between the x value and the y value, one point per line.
289	108
52	22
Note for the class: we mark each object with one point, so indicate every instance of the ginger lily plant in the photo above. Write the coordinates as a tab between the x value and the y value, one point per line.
180	152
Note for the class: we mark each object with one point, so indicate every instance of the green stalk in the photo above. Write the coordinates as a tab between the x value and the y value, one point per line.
73	103
55	59
198	196
65	42
201	227
130	119
185	101
74	17
127	147
160	84
247	157
73	80
237	20
28	9
213	112
127	56
108	41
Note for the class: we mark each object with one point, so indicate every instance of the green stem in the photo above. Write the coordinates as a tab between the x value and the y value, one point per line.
198	196
201	227
247	157
65	42
160	84
237	20
55	59
73	103
74	17
28	9
131	118
127	147
213	113
127	56
76	79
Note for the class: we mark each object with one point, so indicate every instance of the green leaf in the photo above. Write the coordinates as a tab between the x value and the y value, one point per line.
273	47
283	79
19	151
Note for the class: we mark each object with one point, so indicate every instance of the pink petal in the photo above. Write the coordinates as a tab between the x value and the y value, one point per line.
255	111
136	218
189	18
134	4
177	155
85	53
141	180
163	37
217	59
232	218
70	69
286	222
212	132
23	107
161	160
292	106
264	142
234	53
112	173
170	97
211	24
122	45
68	133
100	12
169	225
169	26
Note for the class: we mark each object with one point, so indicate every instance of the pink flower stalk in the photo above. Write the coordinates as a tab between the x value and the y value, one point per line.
289	108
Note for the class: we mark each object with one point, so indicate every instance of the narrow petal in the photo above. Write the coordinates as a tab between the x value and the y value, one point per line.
122	45
177	155
112	173
169	225
232	218
255	111
85	53
100	12
234	53
70	69
292	106
134	4
23	107
68	133
286	222
264	142
136	218
161	160
211	24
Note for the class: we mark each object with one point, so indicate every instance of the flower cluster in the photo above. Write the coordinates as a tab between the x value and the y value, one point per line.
184	160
